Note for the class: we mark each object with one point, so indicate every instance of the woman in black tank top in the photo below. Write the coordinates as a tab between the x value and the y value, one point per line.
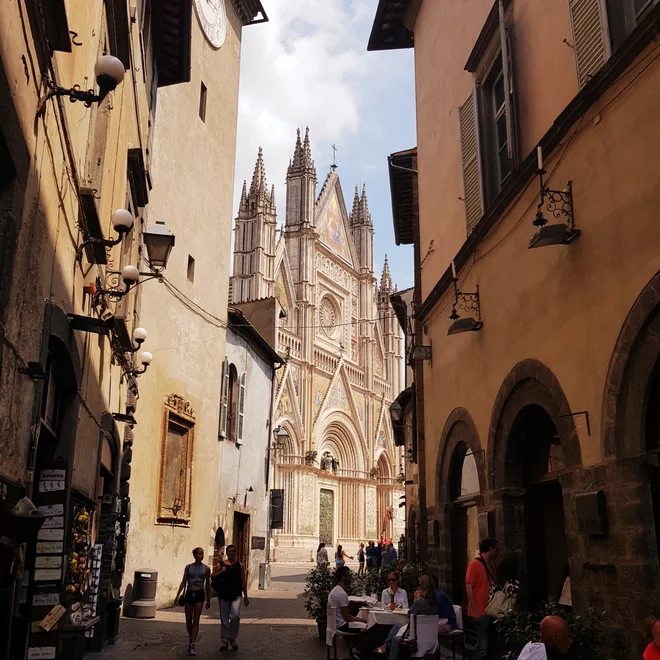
197	585
230	582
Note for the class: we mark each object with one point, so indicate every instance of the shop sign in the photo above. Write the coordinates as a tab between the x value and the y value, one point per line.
41	653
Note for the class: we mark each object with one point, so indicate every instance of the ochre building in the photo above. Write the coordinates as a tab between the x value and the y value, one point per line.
537	416
334	457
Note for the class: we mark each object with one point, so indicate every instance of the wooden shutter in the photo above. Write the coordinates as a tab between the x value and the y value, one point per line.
588	38
224	400
241	408
467	117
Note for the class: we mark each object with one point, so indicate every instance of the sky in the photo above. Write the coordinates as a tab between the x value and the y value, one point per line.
309	66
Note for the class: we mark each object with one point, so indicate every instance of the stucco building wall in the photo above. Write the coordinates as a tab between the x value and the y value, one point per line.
193	169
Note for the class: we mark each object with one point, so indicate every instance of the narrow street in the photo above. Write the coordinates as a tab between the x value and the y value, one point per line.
275	625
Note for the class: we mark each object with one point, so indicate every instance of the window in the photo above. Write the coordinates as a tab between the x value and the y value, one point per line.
191	269
624	16
176	461
232	404
489	145
202	102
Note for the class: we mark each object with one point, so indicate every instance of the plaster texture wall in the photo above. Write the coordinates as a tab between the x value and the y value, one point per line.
546	82
561	305
193	169
244	466
40	229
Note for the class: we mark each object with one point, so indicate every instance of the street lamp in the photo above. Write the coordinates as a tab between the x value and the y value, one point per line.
109	72
146	359
281	437
396	411
159	241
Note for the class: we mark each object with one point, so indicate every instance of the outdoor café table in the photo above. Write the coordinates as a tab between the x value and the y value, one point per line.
379	623
357	602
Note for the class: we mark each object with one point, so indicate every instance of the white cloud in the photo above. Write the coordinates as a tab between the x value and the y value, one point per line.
306	66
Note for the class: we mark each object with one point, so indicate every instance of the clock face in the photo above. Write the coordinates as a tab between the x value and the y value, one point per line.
213	18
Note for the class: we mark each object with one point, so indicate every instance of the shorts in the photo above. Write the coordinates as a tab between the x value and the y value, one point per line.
194	597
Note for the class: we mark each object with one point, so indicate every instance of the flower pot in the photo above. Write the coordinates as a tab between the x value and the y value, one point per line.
322	624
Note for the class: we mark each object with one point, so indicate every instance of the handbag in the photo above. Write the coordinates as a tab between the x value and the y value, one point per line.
499	605
407	647
182	598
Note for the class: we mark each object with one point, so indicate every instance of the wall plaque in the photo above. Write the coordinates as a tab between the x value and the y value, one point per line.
258	543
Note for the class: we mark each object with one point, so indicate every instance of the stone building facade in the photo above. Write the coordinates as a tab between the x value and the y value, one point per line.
178	449
550	395
338	466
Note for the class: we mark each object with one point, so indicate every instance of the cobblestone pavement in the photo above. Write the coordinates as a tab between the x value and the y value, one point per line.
274	626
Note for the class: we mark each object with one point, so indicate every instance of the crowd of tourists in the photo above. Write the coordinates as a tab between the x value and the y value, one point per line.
373	556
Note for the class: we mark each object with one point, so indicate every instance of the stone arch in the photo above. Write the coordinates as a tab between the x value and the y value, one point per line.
630	372
459	436
292	445
383	464
529	383
336	429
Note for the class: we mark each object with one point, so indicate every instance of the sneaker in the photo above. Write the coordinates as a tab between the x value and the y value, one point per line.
191	650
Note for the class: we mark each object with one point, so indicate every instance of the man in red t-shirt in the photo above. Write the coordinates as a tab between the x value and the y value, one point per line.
480	575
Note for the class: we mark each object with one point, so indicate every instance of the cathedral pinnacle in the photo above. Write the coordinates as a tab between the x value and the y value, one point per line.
244	201
259	184
356	207
302	162
386	279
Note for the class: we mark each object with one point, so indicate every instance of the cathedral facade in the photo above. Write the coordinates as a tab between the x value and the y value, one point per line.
334	456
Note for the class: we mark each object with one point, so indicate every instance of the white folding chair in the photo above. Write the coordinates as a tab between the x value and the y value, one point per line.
336	639
424	629
458	634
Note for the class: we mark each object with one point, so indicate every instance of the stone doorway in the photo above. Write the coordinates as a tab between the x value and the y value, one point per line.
242	538
326	517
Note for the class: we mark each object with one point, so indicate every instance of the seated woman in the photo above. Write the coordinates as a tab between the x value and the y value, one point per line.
426	605
445	609
394	596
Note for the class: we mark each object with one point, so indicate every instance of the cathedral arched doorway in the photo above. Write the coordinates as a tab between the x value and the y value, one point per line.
533	445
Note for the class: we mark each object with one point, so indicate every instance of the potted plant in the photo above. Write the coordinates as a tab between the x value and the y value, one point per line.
319	583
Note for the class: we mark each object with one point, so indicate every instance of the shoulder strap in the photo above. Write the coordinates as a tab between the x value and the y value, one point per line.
488	571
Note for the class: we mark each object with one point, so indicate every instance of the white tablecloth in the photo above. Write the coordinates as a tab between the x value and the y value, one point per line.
363	599
378	617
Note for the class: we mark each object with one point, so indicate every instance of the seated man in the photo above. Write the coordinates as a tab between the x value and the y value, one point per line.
556	640
338	598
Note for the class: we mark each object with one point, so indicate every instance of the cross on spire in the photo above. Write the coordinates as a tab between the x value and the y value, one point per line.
334	157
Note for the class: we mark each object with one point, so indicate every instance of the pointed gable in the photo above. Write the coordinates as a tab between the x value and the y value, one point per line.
332	220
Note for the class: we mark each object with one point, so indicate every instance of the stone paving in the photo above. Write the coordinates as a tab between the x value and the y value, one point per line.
274	626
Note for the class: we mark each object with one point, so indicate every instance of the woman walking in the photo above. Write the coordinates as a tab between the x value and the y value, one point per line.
361	559
322	556
340	557
230	581
197	585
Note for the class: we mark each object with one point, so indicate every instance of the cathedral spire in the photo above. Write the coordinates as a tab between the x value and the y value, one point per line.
356	206
386	279
302	162
259	184
244	195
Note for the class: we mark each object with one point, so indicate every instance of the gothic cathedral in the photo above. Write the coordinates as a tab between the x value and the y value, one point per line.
337	463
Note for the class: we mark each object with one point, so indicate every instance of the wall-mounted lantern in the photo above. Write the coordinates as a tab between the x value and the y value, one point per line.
560	204
109	72
146	359
159	241
469	303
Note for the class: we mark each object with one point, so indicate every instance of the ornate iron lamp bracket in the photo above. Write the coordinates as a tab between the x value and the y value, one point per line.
465	301
557	202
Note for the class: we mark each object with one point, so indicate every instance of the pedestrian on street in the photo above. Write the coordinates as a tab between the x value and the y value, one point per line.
652	627
322	556
386	559
197	585
230	581
479	577
556	640
361	558
340	557
378	554
371	555
394	555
